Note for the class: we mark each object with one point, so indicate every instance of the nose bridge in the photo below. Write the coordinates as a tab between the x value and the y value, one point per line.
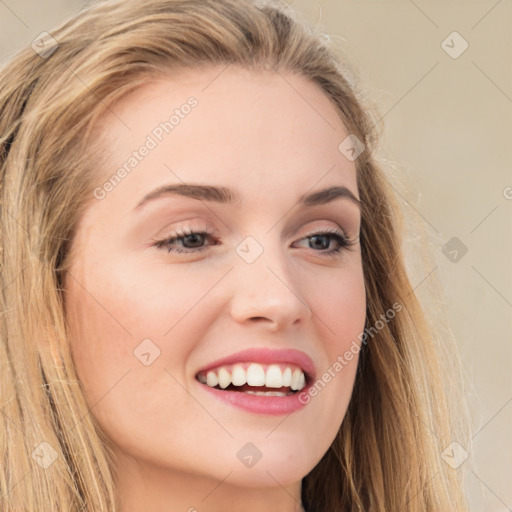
265	285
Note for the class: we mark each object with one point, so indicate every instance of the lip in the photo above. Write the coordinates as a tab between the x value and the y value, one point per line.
269	405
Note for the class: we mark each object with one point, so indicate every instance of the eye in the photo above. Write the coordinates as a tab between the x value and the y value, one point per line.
323	240
185	240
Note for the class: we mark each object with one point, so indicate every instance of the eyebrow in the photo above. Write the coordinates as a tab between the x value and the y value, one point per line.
226	195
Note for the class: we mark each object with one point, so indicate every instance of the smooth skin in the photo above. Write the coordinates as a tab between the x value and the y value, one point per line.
271	137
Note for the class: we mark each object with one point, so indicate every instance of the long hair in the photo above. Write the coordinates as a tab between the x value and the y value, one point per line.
386	456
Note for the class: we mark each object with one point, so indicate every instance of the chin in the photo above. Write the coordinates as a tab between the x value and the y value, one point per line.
268	465
270	475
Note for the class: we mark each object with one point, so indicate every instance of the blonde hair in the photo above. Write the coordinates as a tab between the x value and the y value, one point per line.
387	453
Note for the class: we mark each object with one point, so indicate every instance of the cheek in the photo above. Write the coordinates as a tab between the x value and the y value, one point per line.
116	306
339	308
131	333
338	302
107	325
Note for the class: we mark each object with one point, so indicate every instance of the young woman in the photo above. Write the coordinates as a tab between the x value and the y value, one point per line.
205	305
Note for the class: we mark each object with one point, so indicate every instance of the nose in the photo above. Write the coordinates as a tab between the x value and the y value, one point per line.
267	292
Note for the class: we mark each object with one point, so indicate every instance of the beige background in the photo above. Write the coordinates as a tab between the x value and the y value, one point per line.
448	121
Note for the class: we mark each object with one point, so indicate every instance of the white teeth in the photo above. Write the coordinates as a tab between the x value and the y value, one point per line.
296	379
266	393
224	378
212	379
302	381
238	375
287	377
274	377
255	375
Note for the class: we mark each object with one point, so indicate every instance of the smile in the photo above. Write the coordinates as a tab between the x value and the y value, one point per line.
260	380
254	378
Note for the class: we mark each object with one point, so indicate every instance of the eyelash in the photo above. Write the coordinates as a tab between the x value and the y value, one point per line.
343	241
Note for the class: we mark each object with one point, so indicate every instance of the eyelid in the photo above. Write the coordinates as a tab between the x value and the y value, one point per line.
181	232
330	229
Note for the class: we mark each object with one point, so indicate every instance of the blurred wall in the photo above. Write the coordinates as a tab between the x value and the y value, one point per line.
442	75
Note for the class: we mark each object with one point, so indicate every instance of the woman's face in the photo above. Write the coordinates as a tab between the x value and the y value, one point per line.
265	290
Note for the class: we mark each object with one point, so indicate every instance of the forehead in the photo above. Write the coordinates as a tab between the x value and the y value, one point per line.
254	127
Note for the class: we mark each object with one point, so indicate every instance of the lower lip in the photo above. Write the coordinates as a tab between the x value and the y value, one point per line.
271	405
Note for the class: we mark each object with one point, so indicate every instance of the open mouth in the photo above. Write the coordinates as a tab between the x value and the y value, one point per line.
280	379
259	390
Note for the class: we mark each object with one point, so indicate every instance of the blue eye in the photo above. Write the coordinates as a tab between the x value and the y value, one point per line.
191	241
323	240
185	240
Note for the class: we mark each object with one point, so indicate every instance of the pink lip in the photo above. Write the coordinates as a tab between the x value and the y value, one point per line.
271	405
275	405
267	356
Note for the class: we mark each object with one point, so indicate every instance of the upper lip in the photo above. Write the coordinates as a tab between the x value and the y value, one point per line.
267	356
